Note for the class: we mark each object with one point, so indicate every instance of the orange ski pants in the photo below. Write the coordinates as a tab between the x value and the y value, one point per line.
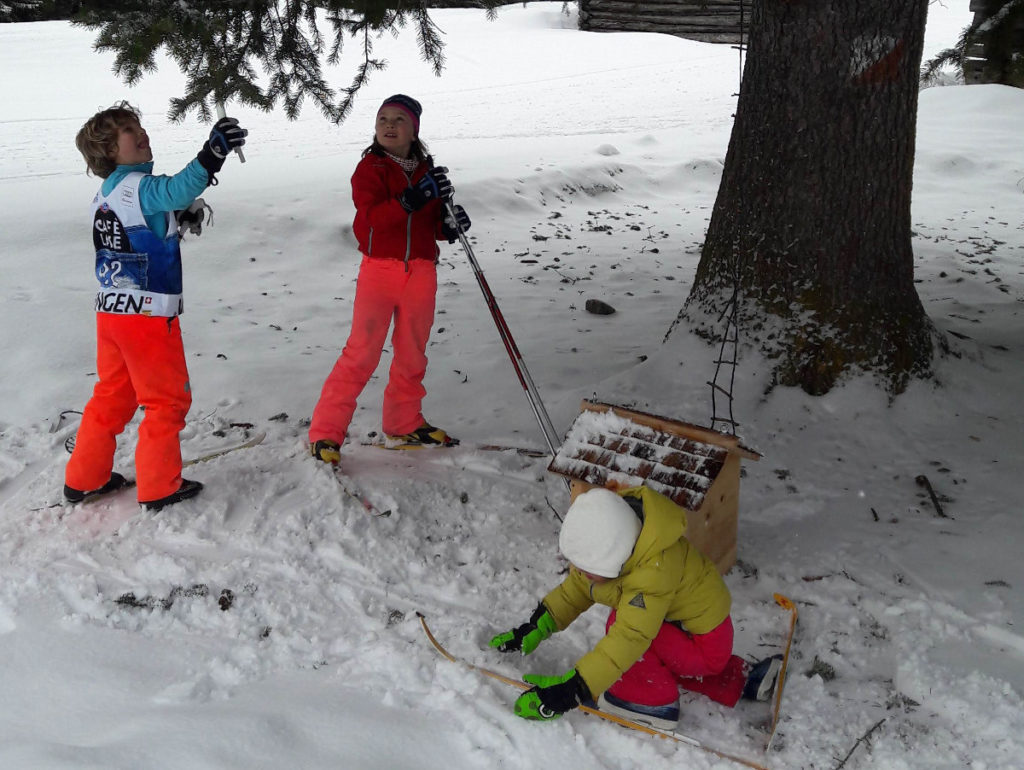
387	289
139	360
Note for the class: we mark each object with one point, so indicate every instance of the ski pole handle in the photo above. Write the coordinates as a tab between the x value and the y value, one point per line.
222	114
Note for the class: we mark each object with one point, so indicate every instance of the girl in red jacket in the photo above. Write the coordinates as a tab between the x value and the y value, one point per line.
400	199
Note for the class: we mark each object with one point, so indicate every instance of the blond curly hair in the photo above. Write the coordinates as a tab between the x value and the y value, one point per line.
97	139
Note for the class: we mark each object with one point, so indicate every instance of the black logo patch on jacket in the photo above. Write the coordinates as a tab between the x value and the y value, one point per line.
108	233
638	601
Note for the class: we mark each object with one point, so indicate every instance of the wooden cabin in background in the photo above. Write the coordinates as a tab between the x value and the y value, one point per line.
1000	59
710	21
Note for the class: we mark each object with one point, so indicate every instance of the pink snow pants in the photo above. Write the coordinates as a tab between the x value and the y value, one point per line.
386	289
701	663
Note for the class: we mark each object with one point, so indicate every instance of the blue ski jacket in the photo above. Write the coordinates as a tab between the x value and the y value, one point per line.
160	194
138	262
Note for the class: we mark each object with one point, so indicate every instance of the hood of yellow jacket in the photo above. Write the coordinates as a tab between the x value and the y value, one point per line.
664	523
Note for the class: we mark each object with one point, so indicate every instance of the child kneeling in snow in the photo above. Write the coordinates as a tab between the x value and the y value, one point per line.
669	625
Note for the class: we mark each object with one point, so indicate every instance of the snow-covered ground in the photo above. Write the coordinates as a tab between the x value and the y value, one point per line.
589	164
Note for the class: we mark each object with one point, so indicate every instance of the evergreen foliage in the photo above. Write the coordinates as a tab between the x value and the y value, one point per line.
931	71
37	10
994	41
257	52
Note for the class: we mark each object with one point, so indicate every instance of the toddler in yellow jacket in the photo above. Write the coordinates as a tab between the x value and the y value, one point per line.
669	625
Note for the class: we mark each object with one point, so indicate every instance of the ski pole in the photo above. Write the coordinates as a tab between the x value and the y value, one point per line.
222	114
546	426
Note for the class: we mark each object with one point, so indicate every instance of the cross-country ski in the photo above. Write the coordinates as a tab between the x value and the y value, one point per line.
612	717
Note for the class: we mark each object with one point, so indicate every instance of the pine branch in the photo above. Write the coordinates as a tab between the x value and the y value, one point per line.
223	47
431	45
951	56
362	75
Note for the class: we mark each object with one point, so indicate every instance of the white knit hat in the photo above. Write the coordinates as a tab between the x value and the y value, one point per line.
599	532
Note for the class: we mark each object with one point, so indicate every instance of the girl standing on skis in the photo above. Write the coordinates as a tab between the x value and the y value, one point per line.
669	626
400	199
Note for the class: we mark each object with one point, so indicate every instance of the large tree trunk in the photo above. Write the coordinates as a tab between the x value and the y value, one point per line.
812	219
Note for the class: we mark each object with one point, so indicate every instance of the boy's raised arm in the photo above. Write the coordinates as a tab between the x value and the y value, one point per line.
171	193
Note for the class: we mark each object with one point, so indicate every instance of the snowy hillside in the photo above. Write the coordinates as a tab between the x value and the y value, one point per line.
271	622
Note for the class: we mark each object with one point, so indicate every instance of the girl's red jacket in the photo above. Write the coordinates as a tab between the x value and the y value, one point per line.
382	227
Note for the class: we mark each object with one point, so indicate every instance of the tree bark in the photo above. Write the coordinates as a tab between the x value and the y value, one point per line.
812	219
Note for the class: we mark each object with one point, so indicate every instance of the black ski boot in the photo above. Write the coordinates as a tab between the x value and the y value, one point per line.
326	451
424	436
187	489
117	481
762	679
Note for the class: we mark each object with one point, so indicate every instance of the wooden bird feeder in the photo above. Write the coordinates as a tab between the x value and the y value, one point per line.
698	468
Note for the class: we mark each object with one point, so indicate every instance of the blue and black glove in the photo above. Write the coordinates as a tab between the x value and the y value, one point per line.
450	228
225	137
434	185
526	637
551	696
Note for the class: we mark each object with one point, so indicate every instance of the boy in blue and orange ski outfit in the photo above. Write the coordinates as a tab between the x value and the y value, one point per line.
140	359
399	197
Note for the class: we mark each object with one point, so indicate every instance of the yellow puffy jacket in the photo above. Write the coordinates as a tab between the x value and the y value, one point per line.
664	579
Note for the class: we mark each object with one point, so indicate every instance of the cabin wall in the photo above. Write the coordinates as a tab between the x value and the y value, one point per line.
710	21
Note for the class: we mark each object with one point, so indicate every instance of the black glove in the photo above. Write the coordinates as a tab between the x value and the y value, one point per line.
191	220
433	185
226	136
450	229
526	637
551	696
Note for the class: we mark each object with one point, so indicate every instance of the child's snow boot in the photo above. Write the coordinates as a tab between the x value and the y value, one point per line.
326	451
762	679
117	481
424	436
185	491
659	717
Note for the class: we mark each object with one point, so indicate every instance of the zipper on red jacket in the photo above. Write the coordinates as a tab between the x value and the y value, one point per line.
408	240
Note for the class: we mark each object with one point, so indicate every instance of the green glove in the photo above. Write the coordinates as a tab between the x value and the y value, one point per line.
551	696
526	637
